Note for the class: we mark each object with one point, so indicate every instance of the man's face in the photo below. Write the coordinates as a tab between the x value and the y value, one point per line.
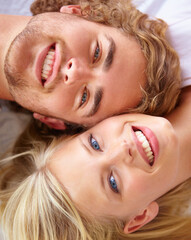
66	67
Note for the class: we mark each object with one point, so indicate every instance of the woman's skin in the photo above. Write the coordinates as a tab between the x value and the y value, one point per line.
107	172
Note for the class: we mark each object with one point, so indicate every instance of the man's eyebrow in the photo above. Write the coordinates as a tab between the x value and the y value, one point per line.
96	104
110	55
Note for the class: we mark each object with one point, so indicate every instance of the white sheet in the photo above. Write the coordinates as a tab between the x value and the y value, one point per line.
178	16
15	7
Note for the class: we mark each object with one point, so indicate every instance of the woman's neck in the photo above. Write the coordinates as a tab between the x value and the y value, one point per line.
10	27
180	118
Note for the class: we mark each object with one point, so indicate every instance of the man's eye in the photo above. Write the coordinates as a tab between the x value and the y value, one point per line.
84	97
113	184
96	53
94	144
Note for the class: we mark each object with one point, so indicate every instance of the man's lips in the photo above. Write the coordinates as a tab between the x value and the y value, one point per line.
40	62
152	140
54	66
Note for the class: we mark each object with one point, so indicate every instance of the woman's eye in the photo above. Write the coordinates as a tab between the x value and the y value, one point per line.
96	53
84	97
113	184
94	144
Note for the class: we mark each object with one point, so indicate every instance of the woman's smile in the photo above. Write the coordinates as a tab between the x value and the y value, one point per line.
147	143
121	159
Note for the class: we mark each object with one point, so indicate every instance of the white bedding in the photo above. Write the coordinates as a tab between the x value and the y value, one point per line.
15	7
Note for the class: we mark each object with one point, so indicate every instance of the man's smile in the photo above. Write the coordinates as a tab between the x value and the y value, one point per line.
48	64
54	60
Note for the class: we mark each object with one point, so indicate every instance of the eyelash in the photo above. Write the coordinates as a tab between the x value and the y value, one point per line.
97	52
113	187
92	142
85	93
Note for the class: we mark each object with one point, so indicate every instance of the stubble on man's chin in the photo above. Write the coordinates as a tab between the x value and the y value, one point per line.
11	70
13	67
18	87
15	83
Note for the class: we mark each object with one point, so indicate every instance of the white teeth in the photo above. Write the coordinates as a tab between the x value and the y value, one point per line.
146	146
148	149
47	61
45	76
149	154
48	64
46	67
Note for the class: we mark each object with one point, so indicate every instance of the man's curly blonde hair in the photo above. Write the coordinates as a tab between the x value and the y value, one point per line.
163	67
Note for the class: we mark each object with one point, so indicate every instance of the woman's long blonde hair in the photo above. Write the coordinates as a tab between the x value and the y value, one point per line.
34	206
163	67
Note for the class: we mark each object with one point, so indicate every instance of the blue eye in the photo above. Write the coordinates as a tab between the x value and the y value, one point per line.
84	97
113	184
94	143
96	53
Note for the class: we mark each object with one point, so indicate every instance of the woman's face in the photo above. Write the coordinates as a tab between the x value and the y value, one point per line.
119	166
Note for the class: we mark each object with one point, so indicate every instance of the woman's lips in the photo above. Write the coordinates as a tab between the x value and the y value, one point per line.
153	142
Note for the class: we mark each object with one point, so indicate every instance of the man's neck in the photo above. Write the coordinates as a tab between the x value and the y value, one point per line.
180	118
10	27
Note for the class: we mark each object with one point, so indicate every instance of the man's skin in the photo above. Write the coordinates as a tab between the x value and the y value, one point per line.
8	32
66	69
79	80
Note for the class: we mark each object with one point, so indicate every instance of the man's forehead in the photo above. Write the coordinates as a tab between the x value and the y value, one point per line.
59	16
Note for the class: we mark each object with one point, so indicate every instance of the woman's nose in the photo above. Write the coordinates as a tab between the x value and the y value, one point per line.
75	71
119	154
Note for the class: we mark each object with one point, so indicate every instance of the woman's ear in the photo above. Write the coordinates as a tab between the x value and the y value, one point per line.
139	221
51	122
71	9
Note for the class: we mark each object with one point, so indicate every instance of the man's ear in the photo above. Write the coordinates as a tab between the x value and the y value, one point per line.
51	122
139	221
72	9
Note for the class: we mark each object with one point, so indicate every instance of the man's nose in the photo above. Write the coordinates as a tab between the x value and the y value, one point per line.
75	70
